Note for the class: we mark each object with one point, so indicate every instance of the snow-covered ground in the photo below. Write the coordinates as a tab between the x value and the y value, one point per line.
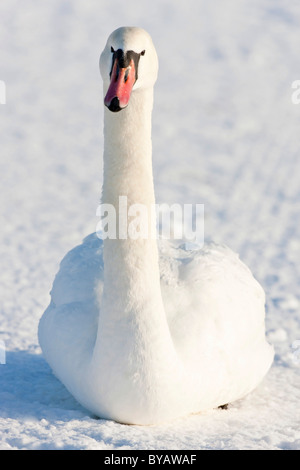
225	133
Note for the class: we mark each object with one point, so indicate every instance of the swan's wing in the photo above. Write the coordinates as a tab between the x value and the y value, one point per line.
213	275
80	274
68	327
215	307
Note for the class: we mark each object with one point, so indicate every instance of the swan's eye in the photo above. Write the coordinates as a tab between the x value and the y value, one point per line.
143	52
112	49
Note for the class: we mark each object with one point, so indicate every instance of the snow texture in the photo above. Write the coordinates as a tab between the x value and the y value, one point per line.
225	134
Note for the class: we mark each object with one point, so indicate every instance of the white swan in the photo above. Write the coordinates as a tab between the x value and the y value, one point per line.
135	336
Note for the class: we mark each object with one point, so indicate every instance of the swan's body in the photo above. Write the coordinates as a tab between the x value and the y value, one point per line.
142	335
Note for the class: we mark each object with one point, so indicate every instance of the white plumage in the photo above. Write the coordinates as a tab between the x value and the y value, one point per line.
139	334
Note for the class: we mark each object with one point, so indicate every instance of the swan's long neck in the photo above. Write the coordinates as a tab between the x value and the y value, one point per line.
128	151
133	337
131	265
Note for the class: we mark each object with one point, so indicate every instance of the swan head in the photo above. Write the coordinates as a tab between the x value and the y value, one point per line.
128	63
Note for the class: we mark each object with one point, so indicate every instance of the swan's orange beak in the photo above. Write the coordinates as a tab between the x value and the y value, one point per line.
121	83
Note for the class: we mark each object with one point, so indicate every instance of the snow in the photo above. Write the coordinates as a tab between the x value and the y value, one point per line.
225	134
